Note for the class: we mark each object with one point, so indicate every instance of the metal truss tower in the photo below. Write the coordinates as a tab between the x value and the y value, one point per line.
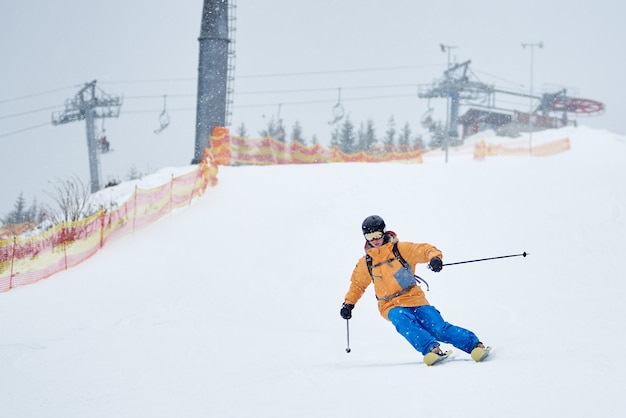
88	106
455	85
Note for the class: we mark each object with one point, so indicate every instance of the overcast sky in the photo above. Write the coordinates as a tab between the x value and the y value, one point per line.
292	57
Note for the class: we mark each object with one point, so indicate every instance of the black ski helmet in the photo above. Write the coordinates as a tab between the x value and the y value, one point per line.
373	223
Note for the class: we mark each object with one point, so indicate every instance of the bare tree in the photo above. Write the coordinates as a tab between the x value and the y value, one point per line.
72	198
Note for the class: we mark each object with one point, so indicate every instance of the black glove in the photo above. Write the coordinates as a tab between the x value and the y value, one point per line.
435	264
346	310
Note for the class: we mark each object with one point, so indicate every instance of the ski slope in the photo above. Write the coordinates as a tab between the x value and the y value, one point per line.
230	307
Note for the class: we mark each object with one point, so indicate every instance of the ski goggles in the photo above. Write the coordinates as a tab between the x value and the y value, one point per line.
370	236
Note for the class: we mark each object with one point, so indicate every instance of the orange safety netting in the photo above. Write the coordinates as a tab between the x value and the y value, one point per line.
483	149
233	150
25	260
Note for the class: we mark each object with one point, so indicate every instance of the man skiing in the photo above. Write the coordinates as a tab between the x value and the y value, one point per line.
390	265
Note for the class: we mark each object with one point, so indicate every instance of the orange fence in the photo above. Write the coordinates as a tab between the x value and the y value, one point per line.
25	260
233	150
483	149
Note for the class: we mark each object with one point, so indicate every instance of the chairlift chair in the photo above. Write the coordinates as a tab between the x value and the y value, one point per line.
164	118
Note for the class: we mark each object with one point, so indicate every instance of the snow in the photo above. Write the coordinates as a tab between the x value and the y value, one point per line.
230	307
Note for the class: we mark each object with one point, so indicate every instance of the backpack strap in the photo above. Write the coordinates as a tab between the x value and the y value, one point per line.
368	261
397	256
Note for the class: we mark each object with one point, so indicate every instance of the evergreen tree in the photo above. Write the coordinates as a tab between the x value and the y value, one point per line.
360	138
334	137
368	140
296	133
419	142
314	140
437	135
405	137
269	130
347	137
280	131
241	130
274	130
33	214
18	214
21	214
134	174
390	134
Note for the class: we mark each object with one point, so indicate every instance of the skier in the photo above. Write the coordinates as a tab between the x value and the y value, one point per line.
390	265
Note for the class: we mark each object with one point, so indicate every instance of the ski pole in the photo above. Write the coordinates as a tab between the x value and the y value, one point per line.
524	254
348	335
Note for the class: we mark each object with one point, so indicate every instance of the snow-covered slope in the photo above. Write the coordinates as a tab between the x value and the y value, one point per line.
230	308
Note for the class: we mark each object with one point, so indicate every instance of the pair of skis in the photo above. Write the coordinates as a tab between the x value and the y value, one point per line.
478	354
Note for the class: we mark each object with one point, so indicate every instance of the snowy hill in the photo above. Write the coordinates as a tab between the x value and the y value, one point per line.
230	308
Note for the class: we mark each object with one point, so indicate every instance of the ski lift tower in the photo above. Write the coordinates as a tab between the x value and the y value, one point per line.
456	86
86	105
215	70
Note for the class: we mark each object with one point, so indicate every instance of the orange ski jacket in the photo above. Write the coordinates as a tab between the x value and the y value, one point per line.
393	284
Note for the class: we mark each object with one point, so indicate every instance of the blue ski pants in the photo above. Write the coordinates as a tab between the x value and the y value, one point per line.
423	327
